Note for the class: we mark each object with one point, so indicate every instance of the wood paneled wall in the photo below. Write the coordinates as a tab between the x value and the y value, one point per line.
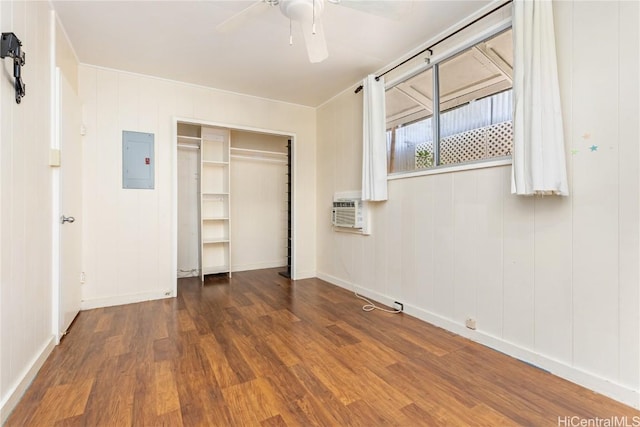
552	280
127	241
26	219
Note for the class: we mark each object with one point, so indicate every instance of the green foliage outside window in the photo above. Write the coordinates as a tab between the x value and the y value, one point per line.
424	158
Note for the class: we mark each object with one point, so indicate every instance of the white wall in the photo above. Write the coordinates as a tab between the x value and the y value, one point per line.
258	202
128	240
188	212
551	280
258	214
26	331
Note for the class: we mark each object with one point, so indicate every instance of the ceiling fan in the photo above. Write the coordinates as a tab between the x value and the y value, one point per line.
308	14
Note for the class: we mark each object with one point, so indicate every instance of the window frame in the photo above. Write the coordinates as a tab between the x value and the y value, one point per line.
433	63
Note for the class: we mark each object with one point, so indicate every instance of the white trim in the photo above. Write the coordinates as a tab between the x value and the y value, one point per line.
301	275
55	235
174	176
100	302
55	182
481	164
260	265
293	179
16	391
174	207
558	368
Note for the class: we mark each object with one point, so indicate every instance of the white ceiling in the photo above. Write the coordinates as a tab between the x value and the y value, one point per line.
178	40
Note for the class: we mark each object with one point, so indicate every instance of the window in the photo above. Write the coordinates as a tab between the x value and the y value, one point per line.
472	91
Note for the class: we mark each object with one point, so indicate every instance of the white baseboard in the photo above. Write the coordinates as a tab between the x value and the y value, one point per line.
15	393
604	386
300	275
88	304
259	265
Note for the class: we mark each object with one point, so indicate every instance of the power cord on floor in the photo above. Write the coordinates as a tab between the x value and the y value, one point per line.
370	306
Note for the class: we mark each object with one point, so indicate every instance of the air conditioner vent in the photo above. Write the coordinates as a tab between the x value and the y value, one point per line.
347	213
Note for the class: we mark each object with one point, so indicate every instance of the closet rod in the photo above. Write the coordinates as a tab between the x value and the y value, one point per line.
191	146
258	159
429	49
250	150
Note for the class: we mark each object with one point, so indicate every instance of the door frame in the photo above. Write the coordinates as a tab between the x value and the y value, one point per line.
174	185
55	208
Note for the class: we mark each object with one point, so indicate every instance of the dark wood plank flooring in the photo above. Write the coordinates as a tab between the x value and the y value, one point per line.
260	350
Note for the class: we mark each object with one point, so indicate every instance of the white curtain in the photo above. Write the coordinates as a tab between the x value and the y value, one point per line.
374	149
539	166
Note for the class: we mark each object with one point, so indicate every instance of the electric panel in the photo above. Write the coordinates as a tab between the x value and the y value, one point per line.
137	160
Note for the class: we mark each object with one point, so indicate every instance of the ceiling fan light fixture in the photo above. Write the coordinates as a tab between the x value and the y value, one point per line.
301	10
308	13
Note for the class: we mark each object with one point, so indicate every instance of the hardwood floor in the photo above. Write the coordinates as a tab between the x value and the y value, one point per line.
260	350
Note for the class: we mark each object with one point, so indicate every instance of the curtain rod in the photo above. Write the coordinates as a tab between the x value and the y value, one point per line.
428	49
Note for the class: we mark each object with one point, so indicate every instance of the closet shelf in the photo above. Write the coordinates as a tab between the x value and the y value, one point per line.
214	163
186	138
216	218
206	241
207	194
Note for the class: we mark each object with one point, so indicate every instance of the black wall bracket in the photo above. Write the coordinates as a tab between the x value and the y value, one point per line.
10	47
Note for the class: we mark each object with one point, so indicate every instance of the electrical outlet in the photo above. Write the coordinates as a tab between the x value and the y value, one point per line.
470	323
83	277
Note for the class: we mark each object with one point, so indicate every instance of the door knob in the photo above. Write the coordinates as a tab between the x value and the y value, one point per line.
68	219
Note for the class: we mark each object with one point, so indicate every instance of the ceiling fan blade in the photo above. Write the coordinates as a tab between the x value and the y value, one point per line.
242	17
316	43
395	10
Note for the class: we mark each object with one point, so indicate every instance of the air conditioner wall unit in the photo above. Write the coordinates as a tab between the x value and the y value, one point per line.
347	213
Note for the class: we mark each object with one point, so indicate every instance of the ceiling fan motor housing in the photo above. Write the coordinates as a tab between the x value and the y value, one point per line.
301	10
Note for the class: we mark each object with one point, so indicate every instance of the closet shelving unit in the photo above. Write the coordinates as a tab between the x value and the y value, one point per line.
215	154
214	202
189	142
213	145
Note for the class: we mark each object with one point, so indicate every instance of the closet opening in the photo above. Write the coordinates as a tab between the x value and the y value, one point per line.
234	200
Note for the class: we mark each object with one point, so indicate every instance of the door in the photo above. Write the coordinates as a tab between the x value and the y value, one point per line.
70	143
